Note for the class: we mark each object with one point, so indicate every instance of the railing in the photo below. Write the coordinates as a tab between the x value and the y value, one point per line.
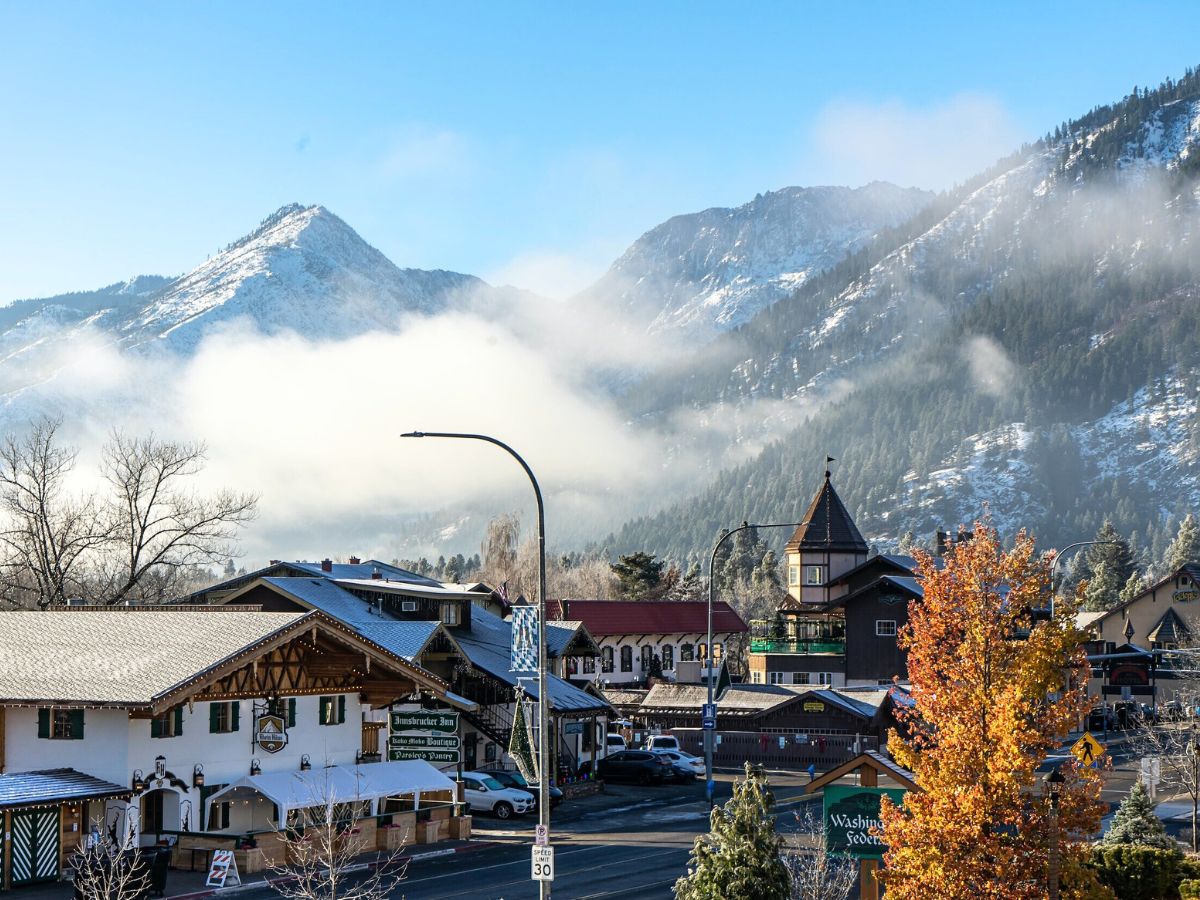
770	645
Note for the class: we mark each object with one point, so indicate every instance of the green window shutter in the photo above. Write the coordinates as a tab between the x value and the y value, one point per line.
178	721
341	708
214	718
291	712
156	727
235	715
43	723
324	710
77	724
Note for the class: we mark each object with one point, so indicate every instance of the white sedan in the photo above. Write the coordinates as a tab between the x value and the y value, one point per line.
683	760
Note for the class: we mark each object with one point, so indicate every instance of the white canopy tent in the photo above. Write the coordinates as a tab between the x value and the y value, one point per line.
337	785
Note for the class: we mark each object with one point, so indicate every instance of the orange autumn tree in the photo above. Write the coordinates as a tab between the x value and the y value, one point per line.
988	706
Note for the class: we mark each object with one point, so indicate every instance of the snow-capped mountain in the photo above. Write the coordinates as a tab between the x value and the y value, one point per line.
1031	339
699	274
303	268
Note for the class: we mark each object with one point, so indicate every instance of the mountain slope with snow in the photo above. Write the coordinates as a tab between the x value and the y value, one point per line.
700	274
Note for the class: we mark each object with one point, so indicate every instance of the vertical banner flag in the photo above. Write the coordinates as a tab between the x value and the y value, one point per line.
524	655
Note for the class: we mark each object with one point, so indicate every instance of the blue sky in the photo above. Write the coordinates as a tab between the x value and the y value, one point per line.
527	143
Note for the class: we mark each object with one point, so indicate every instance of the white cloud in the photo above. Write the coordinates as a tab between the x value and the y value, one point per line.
933	146
552	273
992	372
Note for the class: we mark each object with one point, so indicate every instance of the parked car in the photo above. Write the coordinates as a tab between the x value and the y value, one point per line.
616	742
679	759
640	766
484	793
517	780
662	742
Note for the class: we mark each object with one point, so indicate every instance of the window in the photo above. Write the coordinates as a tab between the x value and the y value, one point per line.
668	657
799	678
687	653
647	656
793	575
168	725
756	677
885	628
450	613
702	651
825	677
814	574
776	678
589	665
60	724
333	710
717	651
606	659
224	717
626	659
572	665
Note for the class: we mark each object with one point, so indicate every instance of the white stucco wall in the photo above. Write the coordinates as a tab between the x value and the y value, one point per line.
657	641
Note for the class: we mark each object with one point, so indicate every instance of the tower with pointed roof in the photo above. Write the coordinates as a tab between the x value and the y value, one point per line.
826	545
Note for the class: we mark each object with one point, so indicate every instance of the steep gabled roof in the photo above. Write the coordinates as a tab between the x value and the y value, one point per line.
1170	629
903	584
827	525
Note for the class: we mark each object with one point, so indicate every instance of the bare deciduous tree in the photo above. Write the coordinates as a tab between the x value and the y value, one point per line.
47	535
110	866
159	526
140	540
322	861
815	874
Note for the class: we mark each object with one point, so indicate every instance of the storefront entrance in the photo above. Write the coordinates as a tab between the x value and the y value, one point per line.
35	837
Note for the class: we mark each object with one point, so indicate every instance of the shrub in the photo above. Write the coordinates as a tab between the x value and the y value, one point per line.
1138	873
1189	889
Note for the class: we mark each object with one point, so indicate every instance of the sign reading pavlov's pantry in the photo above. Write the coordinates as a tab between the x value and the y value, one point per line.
850	814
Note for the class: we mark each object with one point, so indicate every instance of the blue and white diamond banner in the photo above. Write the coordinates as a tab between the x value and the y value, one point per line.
524	651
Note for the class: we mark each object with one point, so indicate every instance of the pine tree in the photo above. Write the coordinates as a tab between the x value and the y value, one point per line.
740	856
1108	568
1186	546
1135	585
1136	823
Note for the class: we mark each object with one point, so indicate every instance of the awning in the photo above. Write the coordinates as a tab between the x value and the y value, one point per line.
54	786
337	784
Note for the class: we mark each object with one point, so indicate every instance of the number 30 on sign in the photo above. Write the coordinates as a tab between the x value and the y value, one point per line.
543	863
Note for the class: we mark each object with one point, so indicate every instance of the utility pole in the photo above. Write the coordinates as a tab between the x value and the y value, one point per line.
543	750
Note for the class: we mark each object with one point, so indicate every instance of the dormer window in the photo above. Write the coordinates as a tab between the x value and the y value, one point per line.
814	575
450	612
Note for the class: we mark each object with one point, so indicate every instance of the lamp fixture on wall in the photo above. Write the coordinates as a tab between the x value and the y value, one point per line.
198	775
255	768
139	781
305	763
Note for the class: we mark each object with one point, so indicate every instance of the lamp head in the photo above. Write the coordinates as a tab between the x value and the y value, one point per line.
413	434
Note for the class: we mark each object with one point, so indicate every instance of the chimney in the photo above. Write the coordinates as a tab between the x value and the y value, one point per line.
376	575
327	565
274	562
354	560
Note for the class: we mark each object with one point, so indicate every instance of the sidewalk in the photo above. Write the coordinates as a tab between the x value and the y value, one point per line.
185	885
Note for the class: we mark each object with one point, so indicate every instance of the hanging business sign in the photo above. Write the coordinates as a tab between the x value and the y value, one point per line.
523	653
270	733
814	706
429	741
851	813
396	754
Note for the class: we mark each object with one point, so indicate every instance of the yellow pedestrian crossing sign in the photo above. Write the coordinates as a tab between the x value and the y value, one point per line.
1087	749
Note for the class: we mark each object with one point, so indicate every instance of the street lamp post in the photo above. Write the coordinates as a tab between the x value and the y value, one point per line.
1063	552
543	700
1054	782
709	785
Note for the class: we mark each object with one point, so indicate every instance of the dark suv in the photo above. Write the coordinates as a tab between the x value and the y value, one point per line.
640	766
517	780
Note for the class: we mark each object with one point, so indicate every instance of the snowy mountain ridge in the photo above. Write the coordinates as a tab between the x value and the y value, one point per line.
703	273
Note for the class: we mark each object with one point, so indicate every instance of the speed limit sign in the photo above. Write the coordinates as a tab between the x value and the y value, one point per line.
543	863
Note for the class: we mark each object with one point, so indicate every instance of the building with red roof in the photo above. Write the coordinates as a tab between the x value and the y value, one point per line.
631	633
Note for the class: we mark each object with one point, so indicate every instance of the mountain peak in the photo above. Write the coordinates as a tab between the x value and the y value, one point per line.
701	273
